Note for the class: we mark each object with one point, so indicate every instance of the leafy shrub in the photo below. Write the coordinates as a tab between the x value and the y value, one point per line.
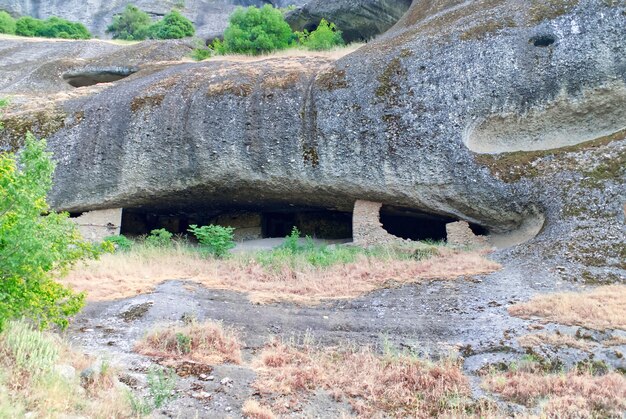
159	238
257	31
28	26
172	26
53	27
324	38
217	240
7	23
34	247
3	104
200	54
120	242
131	24
161	386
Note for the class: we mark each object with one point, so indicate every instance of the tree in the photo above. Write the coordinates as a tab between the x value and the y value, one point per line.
325	37
28	26
257	31
7	23
36	244
132	24
172	26
53	27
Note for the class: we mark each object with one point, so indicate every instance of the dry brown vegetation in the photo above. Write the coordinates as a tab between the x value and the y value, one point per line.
208	342
128	274
399	385
31	379
254	410
554	339
601	308
571	395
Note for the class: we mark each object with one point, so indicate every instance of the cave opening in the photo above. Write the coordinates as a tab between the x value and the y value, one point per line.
543	41
248	224
93	77
415	225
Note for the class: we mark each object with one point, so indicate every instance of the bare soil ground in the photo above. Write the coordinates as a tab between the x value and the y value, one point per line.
512	341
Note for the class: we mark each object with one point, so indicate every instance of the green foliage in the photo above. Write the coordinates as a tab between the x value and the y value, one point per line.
34	248
160	391
324	38
121	242
257	31
183	343
292	241
172	26
53	27
200	54
132	25
7	23
31	351
161	386
3	104
216	239
159	238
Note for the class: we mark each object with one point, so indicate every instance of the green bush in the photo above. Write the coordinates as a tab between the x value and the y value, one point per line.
121	242
35	248
324	38
7	23
159	238
31	351
172	26
53	27
257	31
200	54
132	25
217	240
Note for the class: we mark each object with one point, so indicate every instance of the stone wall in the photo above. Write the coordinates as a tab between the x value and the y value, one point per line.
460	234
96	225
247	225
367	229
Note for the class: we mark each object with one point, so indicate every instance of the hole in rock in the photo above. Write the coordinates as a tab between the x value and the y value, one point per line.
543	41
93	77
248	224
414	225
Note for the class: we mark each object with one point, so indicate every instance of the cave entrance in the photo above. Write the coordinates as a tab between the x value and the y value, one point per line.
248	224
93	77
414	225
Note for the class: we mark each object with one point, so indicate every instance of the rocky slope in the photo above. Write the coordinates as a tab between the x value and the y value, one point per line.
415	119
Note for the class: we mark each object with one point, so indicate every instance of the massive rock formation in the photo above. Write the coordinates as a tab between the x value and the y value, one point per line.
494	112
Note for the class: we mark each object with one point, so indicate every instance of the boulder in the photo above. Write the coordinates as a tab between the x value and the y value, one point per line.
465	110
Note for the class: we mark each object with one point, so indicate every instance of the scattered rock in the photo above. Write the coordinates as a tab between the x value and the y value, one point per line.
66	371
136	312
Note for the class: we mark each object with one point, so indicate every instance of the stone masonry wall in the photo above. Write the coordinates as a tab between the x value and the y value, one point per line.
460	234
367	229
96	225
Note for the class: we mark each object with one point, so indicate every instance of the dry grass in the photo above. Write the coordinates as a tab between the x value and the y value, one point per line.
208	342
601	308
333	54
254	410
554	339
571	395
393	384
33	383
124	275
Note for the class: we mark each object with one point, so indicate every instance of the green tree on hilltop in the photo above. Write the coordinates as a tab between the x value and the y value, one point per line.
257	31
132	24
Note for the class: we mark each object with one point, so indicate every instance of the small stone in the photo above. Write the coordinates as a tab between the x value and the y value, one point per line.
228	409
225	381
210	378
203	377
66	371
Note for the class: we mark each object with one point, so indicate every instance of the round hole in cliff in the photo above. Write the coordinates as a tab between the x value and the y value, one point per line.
543	41
93	77
415	225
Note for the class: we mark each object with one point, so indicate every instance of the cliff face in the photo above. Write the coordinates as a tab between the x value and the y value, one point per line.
492	112
209	16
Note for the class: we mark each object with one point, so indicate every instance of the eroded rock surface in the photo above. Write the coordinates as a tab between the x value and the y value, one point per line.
388	123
